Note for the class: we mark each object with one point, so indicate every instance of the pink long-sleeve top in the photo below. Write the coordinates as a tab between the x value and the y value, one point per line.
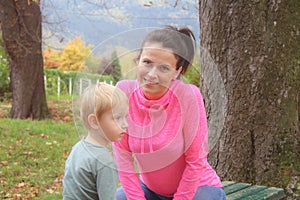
168	140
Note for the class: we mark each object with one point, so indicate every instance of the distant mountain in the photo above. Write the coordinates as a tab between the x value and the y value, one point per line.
119	22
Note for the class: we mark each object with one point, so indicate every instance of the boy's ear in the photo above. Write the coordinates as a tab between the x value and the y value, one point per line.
92	119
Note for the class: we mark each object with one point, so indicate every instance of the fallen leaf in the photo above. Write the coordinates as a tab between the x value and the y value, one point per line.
4	163
20	185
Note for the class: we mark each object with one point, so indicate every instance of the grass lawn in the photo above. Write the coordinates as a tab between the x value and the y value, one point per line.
33	154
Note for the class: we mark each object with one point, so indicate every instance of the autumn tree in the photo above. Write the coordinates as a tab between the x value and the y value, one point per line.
74	54
52	58
250	67
21	32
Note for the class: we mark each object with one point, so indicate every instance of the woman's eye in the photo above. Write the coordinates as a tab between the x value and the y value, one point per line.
146	62
164	68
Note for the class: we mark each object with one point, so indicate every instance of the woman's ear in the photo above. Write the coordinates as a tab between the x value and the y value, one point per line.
93	122
178	71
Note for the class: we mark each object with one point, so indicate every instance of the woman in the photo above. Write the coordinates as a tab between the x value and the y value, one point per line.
167	127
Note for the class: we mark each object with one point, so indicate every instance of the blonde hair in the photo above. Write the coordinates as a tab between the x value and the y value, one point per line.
99	98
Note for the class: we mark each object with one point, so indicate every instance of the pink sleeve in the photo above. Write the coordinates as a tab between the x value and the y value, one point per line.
195	133
129	179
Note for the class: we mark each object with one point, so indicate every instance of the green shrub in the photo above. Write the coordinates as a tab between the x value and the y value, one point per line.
192	76
4	73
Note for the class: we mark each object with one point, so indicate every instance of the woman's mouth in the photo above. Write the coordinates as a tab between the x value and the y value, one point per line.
147	82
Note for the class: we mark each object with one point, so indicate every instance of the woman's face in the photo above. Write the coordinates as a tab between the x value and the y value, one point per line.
156	70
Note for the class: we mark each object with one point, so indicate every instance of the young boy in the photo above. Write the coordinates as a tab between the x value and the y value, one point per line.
90	171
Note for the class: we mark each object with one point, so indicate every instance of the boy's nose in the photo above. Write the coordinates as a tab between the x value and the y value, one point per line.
124	124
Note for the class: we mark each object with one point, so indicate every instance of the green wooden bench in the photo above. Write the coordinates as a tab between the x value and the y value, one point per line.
246	191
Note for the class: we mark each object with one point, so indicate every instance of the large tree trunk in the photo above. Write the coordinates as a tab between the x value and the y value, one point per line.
250	58
21	27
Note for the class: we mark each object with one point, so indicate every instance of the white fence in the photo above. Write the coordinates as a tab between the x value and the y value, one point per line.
82	84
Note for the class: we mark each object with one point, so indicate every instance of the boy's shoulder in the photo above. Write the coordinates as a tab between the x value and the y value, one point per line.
84	152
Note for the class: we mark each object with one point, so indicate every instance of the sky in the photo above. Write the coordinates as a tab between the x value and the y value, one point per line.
98	20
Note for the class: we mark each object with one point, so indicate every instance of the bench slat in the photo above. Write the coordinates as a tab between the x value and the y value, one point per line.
245	191
232	188
227	183
242	194
269	193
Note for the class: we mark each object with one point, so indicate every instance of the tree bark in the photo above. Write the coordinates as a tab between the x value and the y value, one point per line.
21	27
250	58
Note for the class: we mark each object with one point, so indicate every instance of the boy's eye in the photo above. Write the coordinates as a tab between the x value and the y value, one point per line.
120	117
117	117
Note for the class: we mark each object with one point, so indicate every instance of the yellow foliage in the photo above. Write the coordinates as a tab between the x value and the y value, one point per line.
81	45
74	55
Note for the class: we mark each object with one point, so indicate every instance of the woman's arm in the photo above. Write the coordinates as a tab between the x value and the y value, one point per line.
196	145
129	178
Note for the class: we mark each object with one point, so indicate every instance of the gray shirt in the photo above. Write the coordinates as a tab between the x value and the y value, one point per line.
90	173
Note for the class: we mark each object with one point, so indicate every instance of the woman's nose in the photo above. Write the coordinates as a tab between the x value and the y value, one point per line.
153	71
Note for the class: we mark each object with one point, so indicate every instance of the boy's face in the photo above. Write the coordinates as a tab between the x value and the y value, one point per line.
113	122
